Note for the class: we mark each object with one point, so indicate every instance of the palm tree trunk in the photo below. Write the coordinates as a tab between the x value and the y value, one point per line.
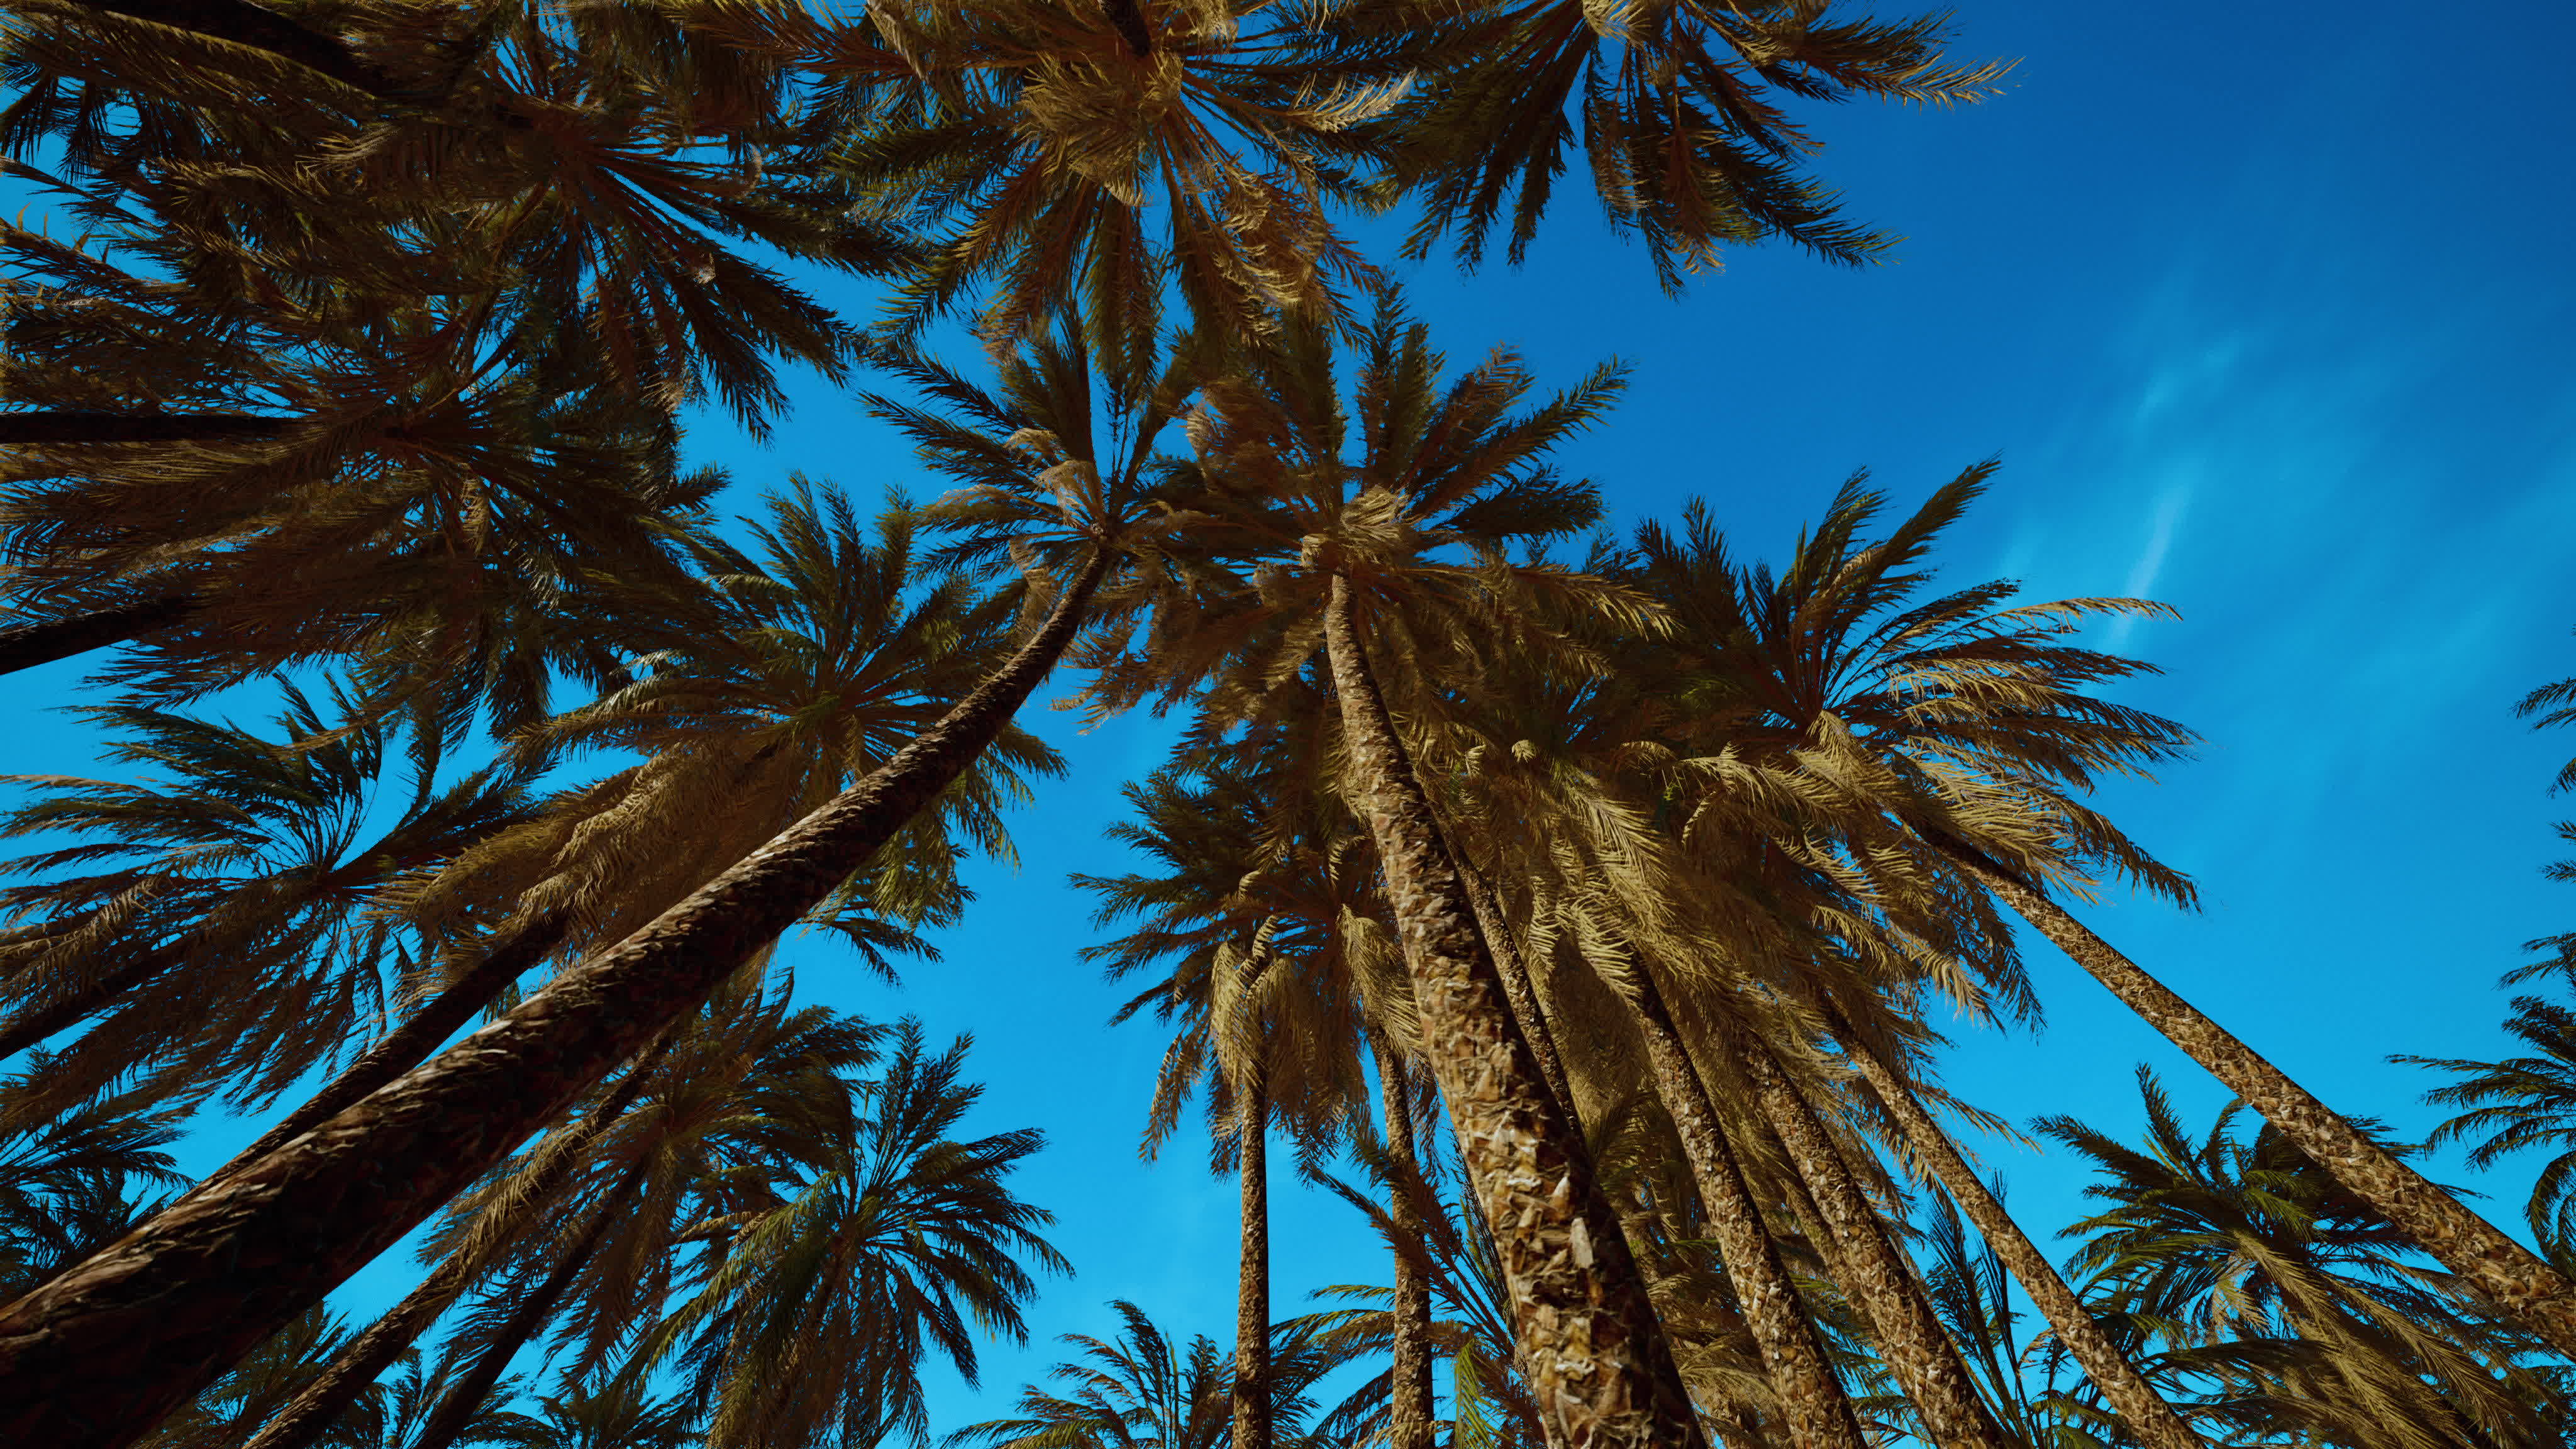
1819	1413
24	646
409	1044
32	1025
70	426
1926	1362
1252	1278
1595	1357
1409	1316
2506	1273
320	1403
464	1399
2139	1406
103	1352
1518	987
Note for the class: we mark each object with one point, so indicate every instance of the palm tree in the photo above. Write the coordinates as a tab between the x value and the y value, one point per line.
452	1118
2265	1273
219	916
819	1309
73	1181
1957	735
2520	1103
1365	559
1141	1390
1682	111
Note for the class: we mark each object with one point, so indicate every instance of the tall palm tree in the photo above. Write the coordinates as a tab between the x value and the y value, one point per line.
816	1316
1958	735
1360	537
2302	1301
1141	1390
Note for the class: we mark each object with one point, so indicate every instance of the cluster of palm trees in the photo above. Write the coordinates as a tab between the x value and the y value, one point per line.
350	371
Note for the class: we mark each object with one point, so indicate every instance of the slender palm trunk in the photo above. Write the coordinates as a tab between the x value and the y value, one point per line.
1812	1400
1926	1362
68	426
103	1352
24	646
2506	1273
409	1044
1409	1316
2144	1411
528	1316
1595	1357
364	1359
32	1025
1518	987
1252	1278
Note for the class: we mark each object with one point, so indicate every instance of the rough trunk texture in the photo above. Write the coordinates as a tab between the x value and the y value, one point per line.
1518	987
1588	1340
463	1400
102	1353
1409	1316
28	1027
243	23
24	646
409	1044
85	427
2145	1413
1252	1277
2506	1273
1924	1359
1812	1400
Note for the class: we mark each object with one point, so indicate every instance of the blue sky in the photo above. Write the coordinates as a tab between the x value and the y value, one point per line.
2265	309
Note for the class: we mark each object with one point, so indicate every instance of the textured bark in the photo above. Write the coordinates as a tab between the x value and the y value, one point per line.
1924	1359
83	427
243	23
1518	987
464	1399
2141	1409
1409	1316
1252	1278
1595	1358
1812	1400
364	1359
24	646
103	1352
2506	1273
409	1044
32	1025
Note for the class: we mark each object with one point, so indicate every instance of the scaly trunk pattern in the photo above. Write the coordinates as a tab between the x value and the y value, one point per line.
28	1027
321	1403
1819	1413
24	646
2506	1273
1594	1355
102	1353
1252	1275
1518	987
2141	1409
1926	1362
1409	1316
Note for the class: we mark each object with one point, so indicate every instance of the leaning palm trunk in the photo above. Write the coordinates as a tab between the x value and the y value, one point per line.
1408	1383
1926	1362
2140	1407
32	1025
104	1351
464	1399
409	1044
2506	1273
1518	988
321	1403
1596	1359
1819	1413
1252	1278
24	646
